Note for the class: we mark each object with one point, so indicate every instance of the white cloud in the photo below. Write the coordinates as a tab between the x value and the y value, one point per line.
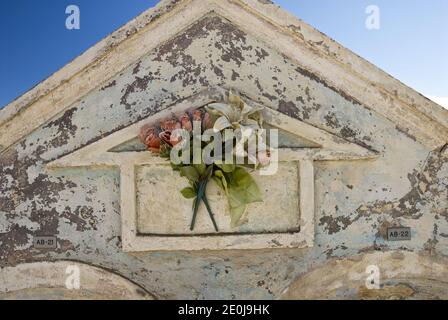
443	101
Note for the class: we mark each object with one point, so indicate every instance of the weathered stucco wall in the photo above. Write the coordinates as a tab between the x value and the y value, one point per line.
355	200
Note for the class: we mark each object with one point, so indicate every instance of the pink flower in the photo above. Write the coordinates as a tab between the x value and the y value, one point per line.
207	122
197	115
204	118
186	122
264	157
169	138
149	137
170	124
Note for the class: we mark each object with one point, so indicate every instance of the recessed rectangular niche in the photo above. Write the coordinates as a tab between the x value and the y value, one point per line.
162	211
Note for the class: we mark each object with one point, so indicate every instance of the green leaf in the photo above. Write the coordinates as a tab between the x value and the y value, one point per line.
236	198
218	182
190	173
200	168
227	168
243	182
236	214
165	150
188	193
221	180
242	190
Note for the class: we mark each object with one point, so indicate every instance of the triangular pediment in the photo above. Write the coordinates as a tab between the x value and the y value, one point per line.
285	140
297	139
174	24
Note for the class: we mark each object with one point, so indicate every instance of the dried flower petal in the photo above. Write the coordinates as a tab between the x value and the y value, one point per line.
197	115
165	136
221	124
264	157
175	138
153	142
207	122
149	137
170	125
144	132
169	138
186	122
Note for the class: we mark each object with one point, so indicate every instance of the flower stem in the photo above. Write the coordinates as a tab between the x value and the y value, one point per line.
201	194
197	202
210	213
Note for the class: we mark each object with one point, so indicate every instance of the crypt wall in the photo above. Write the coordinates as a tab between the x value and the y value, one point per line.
355	201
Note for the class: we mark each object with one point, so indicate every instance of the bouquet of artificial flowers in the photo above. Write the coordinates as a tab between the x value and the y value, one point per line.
239	186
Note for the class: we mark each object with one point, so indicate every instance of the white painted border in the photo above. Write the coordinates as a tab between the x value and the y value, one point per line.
133	242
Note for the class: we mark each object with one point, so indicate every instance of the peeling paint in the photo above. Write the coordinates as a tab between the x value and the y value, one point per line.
356	202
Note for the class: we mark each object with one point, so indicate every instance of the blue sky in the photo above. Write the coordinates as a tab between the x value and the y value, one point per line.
411	44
